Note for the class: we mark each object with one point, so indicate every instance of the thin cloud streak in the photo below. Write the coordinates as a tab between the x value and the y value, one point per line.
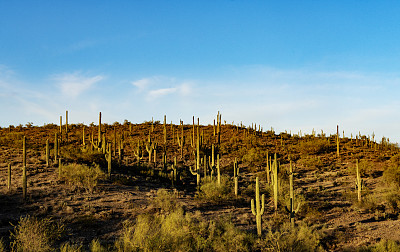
73	85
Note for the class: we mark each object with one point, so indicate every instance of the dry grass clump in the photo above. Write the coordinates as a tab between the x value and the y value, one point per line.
382	246
178	231
166	200
82	176
211	191
67	247
316	147
32	234
300	238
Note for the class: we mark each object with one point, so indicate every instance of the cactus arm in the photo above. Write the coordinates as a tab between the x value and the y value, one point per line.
253	210
193	172
262	204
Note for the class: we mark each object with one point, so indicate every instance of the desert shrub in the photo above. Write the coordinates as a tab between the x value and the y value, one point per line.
210	190
284	197
316	146
13	139
364	167
392	175
165	200
82	176
300	238
392	201
385	246
32	234
395	160
178	231
95	246
84	155
67	247
2	245
311	162
255	156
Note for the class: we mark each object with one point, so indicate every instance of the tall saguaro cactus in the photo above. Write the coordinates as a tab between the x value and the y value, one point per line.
24	180
257	209
218	171
268	170
235	176
83	136
66	125
337	141
165	132
359	182
60	128
196	171
9	177
47	153
149	148
275	182
55	148
107	156
291	209
99	136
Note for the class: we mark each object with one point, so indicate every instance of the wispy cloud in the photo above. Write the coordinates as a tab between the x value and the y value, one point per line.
143	83
74	84
157	93
159	86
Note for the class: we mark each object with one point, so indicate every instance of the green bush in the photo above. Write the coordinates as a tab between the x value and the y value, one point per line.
255	156
82	176
67	247
178	231
2	245
392	175
210	190
385	246
95	246
32	234
299	239
317	146
165	200
311	162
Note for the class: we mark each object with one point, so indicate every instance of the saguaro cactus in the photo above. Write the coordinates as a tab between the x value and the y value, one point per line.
149	148
181	140
275	182
9	177
99	136
359	182
59	168
218	171
196	171
83	136
137	152
337	141
66	125
108	155
55	148
61	128
258	209
24	180
268	170
291	209
47	153
165	132
235	176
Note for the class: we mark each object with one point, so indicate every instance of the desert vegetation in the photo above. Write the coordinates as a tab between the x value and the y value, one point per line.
159	186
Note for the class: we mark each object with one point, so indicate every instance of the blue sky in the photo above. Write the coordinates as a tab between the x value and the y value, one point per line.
290	65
